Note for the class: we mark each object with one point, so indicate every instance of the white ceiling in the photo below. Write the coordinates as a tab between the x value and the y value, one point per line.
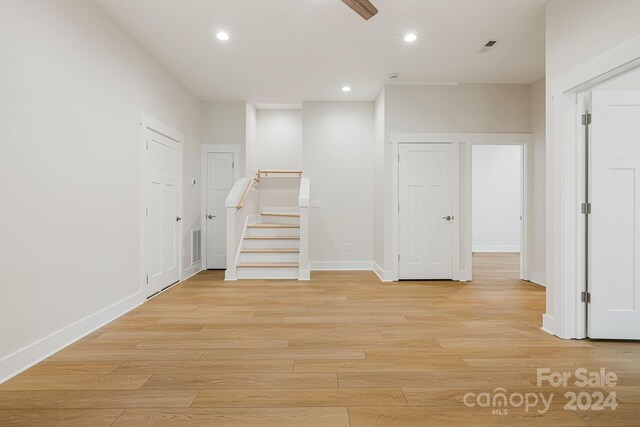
284	51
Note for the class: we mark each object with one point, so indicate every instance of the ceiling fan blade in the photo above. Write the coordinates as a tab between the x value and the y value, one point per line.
363	8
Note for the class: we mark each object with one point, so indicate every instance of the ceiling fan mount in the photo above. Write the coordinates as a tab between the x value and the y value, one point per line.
363	8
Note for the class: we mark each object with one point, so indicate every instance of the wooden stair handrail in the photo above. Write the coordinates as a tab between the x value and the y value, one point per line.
278	172
245	194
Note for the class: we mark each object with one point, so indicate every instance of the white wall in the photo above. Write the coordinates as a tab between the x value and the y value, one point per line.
278	194
579	30
279	139
251	145
337	156
225	122
73	88
537	186
461	108
496	198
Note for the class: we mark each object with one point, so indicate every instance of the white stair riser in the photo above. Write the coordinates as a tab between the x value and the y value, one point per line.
280	219
268	257
281	209
267	273
270	244
270	232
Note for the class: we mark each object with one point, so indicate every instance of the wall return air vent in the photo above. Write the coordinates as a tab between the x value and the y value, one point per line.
196	246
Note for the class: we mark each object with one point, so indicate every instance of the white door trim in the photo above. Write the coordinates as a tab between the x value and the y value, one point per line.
213	148
462	144
565	167
149	123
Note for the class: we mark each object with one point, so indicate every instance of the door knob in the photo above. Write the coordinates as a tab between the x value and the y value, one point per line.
211	216
178	219
448	217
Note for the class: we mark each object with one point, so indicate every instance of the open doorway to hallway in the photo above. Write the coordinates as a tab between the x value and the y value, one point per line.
497	205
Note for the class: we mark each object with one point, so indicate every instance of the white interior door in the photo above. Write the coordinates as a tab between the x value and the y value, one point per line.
426	211
162	229
219	182
614	311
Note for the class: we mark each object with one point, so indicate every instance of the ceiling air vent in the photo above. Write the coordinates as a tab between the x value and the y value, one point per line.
488	46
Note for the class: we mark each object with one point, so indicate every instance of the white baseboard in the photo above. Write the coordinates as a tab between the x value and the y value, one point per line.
538	278
217	261
385	276
191	271
495	248
547	324
28	356
304	275
543	329
340	265
463	276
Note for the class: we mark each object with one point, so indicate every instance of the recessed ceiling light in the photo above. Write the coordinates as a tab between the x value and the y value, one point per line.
222	36
410	38
346	89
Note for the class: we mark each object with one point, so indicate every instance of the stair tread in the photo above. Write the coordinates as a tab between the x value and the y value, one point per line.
293	215
267	225
267	264
272	238
270	251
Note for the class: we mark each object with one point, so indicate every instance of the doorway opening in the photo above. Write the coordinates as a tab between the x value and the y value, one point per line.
497	187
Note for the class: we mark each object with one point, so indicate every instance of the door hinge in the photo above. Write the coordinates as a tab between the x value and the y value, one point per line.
586	119
585	297
147	279
585	208
147	145
398	208
146	212
398	257
233	165
398	158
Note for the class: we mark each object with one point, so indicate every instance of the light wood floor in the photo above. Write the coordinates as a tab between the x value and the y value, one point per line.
343	349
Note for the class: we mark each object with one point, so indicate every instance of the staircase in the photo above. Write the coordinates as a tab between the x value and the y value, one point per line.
268	227
270	247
